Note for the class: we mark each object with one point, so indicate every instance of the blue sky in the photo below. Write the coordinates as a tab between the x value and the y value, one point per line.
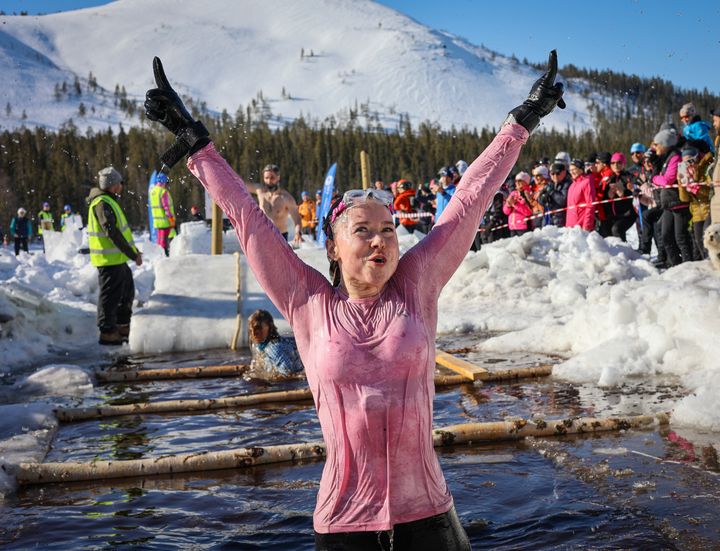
678	41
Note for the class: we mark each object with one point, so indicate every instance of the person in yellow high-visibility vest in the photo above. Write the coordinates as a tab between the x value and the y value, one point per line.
111	247
163	212
45	219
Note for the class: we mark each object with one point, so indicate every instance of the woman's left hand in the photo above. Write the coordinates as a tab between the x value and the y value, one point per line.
544	95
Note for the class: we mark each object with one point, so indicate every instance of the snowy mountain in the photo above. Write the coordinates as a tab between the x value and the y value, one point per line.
318	58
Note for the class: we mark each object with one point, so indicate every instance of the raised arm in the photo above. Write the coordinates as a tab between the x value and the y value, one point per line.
434	260
283	276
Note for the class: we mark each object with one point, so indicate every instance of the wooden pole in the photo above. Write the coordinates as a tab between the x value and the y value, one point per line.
365	169
43	473
521	428
198	372
518	373
174	406
240	320
216	232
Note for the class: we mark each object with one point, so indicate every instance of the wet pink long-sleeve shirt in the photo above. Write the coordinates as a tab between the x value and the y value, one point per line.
369	362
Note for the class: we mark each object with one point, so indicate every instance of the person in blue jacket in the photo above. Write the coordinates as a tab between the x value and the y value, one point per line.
21	230
696	130
272	353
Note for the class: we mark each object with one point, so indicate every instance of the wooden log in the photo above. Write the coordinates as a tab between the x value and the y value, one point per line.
521	428
42	473
105	376
174	406
518	373
458	365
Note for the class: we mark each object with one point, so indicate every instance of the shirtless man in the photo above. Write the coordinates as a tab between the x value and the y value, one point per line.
276	202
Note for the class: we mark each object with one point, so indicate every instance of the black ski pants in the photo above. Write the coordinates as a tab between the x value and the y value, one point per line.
698	233
441	532
652	228
620	225
21	243
117	292
676	237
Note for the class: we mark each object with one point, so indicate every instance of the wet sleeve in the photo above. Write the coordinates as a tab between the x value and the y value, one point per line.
285	278
432	262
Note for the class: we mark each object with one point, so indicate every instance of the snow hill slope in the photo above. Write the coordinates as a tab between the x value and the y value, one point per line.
318	58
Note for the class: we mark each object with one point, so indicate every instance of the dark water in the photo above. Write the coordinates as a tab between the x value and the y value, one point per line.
640	490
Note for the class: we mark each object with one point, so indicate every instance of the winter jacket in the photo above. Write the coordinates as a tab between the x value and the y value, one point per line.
20	227
554	197
696	194
715	193
442	199
619	208
518	212
669	197
306	209
699	131
581	192
404	203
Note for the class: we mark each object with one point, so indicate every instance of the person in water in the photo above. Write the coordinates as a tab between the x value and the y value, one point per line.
271	353
367	339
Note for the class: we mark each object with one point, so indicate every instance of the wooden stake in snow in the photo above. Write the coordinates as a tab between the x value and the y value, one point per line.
240	321
42	473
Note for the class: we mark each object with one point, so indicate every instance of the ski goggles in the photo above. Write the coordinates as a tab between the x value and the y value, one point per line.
355	197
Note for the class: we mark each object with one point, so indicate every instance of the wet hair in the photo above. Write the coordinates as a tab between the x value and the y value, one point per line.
263	316
327	228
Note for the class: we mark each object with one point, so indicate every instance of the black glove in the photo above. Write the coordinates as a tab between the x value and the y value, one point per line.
545	94
162	104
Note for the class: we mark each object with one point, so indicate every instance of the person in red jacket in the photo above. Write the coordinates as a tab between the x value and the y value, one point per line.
405	203
581	194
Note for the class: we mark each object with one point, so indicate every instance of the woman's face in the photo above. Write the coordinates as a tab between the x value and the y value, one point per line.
259	332
575	172
366	248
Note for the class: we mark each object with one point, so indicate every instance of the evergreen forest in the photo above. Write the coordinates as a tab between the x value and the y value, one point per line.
38	165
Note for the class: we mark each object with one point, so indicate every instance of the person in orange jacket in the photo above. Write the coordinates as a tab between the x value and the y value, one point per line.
405	203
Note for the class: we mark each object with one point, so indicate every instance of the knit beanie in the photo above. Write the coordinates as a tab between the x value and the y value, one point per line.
688	110
524	176
108	177
666	138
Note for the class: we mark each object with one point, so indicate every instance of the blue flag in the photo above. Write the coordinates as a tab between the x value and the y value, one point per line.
151	226
328	188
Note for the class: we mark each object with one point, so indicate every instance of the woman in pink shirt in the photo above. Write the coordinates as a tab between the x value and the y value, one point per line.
368	340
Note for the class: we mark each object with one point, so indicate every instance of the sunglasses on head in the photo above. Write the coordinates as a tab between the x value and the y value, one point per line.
354	197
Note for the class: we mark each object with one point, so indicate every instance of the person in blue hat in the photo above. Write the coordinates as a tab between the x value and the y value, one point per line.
67	213
636	159
163	211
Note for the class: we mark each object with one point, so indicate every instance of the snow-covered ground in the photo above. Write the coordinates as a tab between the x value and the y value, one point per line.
593	301
316	58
